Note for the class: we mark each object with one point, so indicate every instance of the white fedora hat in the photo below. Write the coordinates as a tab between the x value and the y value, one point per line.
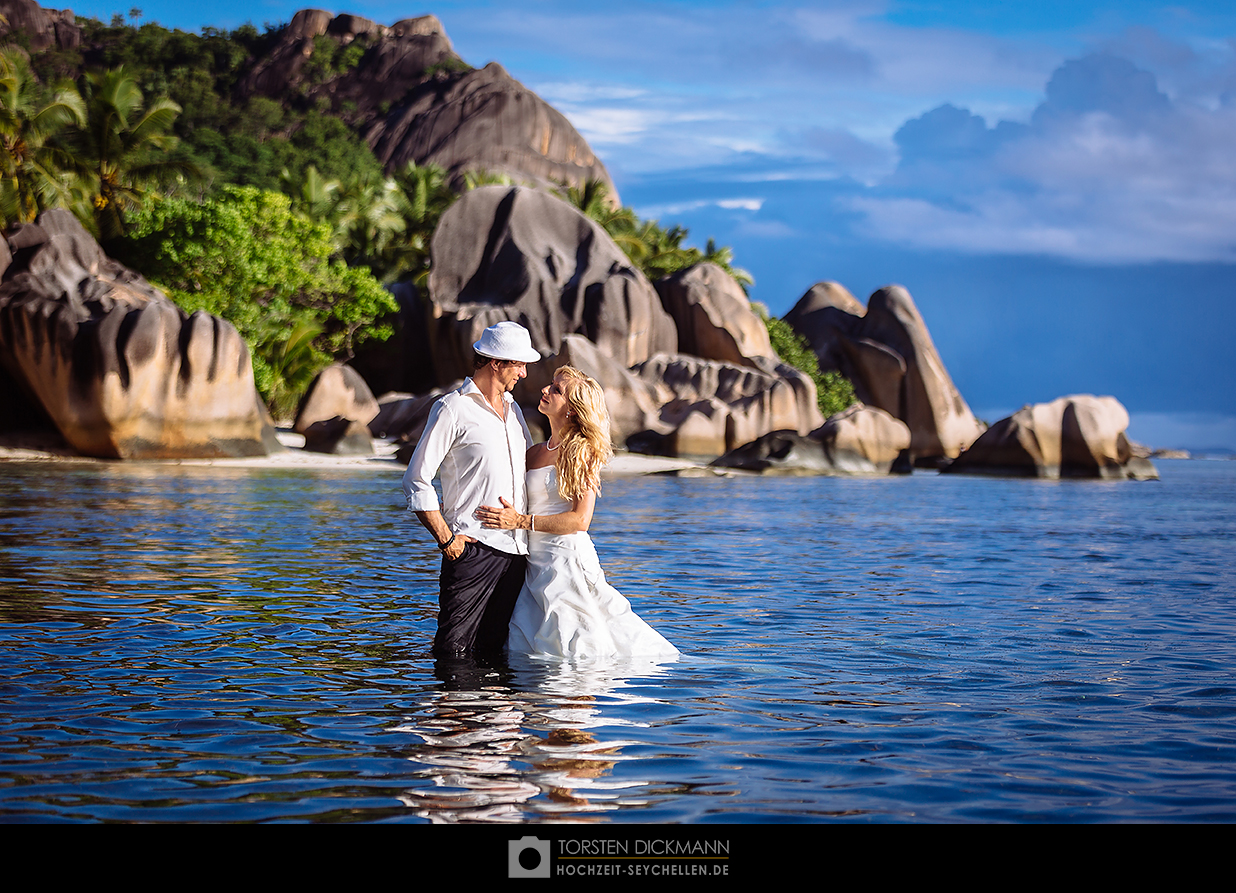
507	341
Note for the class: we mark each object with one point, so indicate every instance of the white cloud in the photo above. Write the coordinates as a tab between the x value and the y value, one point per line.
729	204
1109	170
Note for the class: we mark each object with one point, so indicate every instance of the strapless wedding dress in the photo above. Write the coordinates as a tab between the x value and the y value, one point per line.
566	608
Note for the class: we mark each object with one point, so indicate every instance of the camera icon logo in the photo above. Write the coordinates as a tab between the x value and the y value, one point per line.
528	857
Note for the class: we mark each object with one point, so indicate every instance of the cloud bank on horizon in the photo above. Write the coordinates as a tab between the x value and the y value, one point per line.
817	138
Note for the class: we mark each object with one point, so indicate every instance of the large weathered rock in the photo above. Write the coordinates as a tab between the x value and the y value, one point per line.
41	27
1076	436
889	356
413	99
513	253
826	316
714	316
863	440
338	391
486	120
117	367
709	408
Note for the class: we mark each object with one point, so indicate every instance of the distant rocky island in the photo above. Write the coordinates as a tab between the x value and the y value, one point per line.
91	352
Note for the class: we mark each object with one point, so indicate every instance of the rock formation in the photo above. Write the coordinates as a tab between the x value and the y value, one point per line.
43	28
117	367
337	391
861	440
714	317
413	99
335	413
864	440
825	316
486	120
515	253
708	408
1076	436
889	356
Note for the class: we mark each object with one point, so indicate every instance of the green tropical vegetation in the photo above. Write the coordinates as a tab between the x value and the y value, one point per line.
834	392
656	251
246	256
31	119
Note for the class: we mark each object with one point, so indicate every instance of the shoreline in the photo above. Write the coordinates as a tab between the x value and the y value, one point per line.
294	456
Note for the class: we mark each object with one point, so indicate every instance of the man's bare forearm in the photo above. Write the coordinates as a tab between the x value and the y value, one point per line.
436	525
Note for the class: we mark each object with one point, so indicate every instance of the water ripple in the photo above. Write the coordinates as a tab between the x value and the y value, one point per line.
212	645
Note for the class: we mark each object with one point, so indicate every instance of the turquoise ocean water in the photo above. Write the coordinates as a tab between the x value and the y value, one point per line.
202	644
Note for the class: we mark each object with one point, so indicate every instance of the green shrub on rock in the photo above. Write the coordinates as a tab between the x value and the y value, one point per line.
247	257
834	392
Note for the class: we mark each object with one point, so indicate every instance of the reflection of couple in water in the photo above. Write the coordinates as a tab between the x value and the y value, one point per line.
518	567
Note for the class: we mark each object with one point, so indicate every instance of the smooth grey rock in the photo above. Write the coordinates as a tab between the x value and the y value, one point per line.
513	253
338	391
714	316
888	354
116	366
1075	436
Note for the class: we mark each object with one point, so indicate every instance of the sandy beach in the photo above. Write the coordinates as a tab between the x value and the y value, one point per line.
296	456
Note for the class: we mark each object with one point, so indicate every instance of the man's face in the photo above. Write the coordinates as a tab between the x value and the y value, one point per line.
509	373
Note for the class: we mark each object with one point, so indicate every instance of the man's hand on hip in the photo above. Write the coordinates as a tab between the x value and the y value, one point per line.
455	549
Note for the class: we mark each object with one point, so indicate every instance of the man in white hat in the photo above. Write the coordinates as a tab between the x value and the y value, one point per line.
476	439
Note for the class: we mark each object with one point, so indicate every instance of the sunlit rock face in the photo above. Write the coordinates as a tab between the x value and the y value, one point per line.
486	120
335	413
337	391
889	356
504	253
116	366
1075	436
863	440
708	408
714	316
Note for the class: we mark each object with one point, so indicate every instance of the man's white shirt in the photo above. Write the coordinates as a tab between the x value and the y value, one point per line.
479	457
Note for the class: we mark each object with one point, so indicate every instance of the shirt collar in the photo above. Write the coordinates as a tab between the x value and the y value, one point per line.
470	389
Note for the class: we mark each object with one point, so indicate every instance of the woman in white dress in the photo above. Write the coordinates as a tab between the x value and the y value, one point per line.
566	609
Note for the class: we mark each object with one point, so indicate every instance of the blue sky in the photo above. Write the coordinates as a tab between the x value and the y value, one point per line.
1053	181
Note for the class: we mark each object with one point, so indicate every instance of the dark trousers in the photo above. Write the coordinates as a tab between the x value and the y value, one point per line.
477	593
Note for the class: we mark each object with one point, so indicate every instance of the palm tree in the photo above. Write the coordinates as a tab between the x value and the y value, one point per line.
424	194
474	179
723	257
35	174
125	145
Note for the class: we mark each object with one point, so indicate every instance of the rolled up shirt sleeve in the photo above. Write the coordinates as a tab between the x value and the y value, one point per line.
432	448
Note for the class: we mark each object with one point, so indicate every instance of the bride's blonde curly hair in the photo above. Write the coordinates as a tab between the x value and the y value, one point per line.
585	448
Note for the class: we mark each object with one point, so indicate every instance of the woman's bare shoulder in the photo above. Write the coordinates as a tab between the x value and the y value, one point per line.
538	456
